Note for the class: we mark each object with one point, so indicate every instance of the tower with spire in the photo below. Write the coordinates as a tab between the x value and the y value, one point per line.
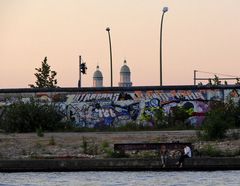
97	78
125	76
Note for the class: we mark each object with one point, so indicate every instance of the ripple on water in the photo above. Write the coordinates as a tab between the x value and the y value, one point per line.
220	178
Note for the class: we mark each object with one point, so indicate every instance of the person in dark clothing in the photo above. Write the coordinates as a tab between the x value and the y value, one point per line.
187	154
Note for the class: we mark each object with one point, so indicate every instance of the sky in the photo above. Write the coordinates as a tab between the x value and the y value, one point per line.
197	35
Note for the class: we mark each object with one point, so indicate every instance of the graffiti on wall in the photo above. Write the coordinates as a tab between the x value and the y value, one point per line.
233	94
114	109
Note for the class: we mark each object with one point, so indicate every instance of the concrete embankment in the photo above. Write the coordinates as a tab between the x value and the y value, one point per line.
54	165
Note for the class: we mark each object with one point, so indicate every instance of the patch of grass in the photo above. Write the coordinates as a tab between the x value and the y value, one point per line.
211	151
105	144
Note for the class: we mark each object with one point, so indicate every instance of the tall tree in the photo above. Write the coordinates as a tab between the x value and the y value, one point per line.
45	76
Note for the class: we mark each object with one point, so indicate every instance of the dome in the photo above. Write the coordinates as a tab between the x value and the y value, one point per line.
125	76
125	68
97	73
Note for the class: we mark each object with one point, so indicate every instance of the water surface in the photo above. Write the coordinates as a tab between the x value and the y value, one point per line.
219	178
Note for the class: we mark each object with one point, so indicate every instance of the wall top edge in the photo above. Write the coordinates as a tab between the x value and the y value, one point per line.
112	89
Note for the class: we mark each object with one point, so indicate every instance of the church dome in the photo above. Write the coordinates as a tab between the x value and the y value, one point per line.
125	68
125	76
97	73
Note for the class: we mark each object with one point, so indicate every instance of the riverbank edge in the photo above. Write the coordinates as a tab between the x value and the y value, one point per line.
119	164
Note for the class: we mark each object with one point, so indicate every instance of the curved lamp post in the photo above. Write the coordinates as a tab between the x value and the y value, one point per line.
110	46
165	9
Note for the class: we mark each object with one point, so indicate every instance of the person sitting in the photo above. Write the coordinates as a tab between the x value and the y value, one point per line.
187	154
163	155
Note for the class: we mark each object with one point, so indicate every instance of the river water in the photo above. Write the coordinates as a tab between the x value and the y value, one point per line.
218	178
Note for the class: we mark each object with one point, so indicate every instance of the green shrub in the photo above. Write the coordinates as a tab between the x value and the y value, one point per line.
30	117
218	120
105	144
39	132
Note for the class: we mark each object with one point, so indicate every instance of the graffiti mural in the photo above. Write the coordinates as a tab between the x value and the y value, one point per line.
232	94
95	109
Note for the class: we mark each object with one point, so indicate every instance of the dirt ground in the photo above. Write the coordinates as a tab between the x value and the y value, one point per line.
29	145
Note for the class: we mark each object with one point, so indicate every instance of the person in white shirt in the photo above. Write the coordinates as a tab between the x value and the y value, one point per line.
187	154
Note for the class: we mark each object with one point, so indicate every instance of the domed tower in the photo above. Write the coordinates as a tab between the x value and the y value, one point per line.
125	76
97	78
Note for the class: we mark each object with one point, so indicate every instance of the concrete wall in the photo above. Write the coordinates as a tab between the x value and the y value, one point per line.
197	164
96	107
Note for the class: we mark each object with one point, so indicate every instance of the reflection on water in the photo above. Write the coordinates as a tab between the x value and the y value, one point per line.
229	178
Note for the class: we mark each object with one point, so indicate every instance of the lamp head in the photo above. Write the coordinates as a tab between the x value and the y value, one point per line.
108	29
165	9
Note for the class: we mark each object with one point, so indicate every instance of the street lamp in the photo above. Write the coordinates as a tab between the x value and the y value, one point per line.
165	9
110	46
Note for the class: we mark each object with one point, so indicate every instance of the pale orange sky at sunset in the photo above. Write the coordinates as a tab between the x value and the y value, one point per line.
197	34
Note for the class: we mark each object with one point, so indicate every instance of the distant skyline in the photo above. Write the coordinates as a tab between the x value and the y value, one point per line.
197	35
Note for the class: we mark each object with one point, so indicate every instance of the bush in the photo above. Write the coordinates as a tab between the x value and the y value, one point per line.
178	117
211	151
39	132
30	117
218	120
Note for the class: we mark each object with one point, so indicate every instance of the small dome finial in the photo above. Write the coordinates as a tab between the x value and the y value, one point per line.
97	67
125	61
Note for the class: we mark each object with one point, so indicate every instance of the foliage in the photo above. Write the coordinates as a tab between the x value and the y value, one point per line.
39	132
154	115
45	76
209	81
159	117
236	115
218	120
105	149
176	119
146	115
180	114
105	144
216	80
30	117
210	150
109	152
237	81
